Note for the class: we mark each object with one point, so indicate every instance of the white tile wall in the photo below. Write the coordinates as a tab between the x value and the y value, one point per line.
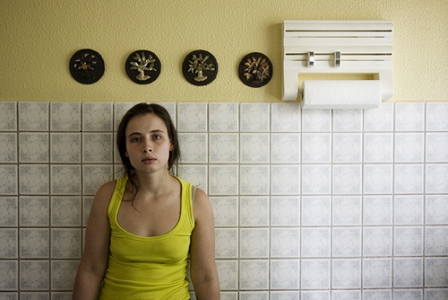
319	204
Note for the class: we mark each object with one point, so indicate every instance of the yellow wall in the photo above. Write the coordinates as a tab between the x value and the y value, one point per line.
38	37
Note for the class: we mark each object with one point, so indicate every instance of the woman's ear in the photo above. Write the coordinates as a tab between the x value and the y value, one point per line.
126	154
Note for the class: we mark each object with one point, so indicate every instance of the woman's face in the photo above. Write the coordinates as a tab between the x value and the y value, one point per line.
147	143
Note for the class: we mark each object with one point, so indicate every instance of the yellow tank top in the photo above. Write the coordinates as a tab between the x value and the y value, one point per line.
148	267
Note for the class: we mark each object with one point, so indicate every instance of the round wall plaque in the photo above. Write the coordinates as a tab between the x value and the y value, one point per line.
255	69
143	66
200	67
86	66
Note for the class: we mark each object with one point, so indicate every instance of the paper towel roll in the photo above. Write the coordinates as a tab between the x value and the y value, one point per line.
341	94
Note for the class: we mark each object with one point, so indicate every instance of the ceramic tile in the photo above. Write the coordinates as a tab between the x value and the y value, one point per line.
225	211
254	148
65	147
436	240
254	117
8	147
254	242
9	245
377	273
436	147
254	211
171	107
34	243
316	242
435	272
86	205
119	110
65	243
408	210
285	179
315	274
408	294
285	148
33	147
378	179
194	147
192	117
347	120
8	116
409	147
254	179
226	243
408	272
347	179
35	296
223	117
65	116
8	211
285	117
196	174
97	147
316	120
285	274
377	210
347	147
315	295
285	242
10	271
346	273
223	179
34	211
346	242
228	274
436	176
436	294
224	148
66	211
316	179
66	179
285	295
347	210
378	147
316	148
377	241
34	179
408	241
63	274
285	211
376	294
408	179
345	295
33	116
410	116
436	210
380	119
254	275
34	275
8	182
436	113
254	295
316	210
94	176
97	116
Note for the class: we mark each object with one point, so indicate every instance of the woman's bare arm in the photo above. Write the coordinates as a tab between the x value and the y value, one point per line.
96	250
204	274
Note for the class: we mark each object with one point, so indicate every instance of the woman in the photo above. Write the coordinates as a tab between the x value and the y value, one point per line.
143	226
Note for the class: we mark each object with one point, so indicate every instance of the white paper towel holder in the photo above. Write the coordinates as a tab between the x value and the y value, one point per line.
337	47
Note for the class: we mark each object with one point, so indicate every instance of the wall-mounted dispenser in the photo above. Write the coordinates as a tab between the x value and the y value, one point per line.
356	53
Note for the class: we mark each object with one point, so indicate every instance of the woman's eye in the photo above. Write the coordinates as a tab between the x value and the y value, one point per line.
156	137
135	140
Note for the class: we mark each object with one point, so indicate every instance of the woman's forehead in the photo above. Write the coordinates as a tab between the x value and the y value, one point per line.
144	123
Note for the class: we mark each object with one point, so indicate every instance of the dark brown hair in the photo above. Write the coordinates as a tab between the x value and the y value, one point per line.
143	109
